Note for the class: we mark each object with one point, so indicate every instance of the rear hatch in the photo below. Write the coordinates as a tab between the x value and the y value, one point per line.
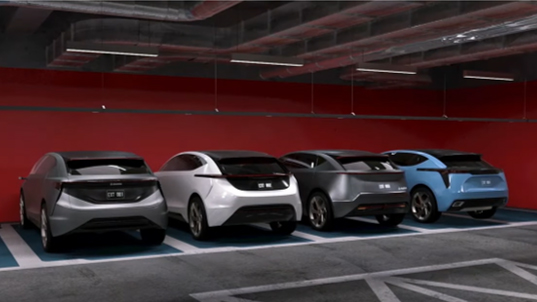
121	180
469	173
253	173
371	174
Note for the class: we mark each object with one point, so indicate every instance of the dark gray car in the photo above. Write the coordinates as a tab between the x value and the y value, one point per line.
94	191
342	183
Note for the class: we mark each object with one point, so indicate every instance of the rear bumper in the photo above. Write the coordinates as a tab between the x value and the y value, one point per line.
463	205
227	206
373	204
262	214
72	215
446	200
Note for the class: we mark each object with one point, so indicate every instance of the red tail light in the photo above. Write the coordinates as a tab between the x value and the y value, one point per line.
242	176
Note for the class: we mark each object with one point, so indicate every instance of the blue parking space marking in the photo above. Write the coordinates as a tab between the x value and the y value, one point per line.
515	215
447	221
233	236
353	228
6	258
94	246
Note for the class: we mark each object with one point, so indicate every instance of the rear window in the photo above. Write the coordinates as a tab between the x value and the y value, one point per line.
251	166
366	163
464	161
107	167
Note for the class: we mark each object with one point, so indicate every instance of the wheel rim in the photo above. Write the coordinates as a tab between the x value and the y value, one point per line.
318	211
385	217
422	206
44	236
21	209
195	219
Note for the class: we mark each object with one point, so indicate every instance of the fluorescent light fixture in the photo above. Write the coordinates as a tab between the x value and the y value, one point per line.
385	68
265	60
110	49
484	75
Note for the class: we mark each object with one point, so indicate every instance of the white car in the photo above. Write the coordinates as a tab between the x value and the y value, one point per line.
218	188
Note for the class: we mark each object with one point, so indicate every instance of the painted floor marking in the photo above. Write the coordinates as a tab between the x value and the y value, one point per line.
18	248
401	226
180	245
295	233
377	283
470	217
40	264
423	291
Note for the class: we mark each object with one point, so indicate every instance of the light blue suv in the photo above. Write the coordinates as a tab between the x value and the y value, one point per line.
450	181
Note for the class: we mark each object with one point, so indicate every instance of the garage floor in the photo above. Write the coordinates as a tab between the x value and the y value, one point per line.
456	259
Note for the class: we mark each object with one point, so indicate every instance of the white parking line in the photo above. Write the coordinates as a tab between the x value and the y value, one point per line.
180	245
31	265
22	253
401	226
424	291
295	233
381	290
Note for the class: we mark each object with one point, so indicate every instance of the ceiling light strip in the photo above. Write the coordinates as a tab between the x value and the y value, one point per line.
488	78
385	71
266	63
107	52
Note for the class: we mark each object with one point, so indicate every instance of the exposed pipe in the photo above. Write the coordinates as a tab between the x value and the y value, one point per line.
439	41
201	11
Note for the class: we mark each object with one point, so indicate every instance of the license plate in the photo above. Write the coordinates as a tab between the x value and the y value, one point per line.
264	185
115	194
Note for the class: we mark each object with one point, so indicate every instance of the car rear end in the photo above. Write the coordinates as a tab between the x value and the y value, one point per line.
470	184
367	185
107	194
252	190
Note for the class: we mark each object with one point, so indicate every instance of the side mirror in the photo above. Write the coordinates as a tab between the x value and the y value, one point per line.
22	178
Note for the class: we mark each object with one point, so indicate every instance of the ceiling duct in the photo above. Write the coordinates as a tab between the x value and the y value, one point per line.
247	58
486	75
200	11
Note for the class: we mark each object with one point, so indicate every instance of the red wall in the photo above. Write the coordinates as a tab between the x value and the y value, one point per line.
26	135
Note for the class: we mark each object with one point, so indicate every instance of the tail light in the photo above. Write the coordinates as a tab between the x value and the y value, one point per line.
369	172
243	176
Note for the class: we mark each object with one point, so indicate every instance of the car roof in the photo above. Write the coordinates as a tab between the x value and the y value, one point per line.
438	153
342	153
223	154
77	155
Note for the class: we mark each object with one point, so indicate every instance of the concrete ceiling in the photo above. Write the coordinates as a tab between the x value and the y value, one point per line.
196	38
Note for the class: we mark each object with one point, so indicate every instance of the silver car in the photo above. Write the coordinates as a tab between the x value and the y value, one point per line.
342	183
92	191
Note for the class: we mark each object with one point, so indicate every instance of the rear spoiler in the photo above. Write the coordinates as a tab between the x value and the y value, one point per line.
243	175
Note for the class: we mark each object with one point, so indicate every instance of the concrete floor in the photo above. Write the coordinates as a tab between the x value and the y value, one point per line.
472	265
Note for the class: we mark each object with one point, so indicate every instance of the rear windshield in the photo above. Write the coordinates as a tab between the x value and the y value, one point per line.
107	167
366	163
464	161
251	166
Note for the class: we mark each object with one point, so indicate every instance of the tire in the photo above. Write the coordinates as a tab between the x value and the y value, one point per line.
50	243
197	220
423	205
283	227
320	215
483	214
153	236
390	219
24	222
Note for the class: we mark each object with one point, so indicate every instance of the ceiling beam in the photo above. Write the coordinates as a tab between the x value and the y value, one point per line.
27	20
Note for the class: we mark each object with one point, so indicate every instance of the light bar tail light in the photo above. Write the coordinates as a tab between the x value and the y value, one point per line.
368	172
243	176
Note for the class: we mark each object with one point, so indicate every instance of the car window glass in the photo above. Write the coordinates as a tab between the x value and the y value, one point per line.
185	162
251	166
406	159
464	161
37	164
308	160
293	163
107	167
365	163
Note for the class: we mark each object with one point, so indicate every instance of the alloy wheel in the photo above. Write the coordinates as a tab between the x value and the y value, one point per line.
195	219
318	212
422	206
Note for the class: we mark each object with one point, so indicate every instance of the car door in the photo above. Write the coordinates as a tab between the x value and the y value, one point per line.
37	188
29	189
